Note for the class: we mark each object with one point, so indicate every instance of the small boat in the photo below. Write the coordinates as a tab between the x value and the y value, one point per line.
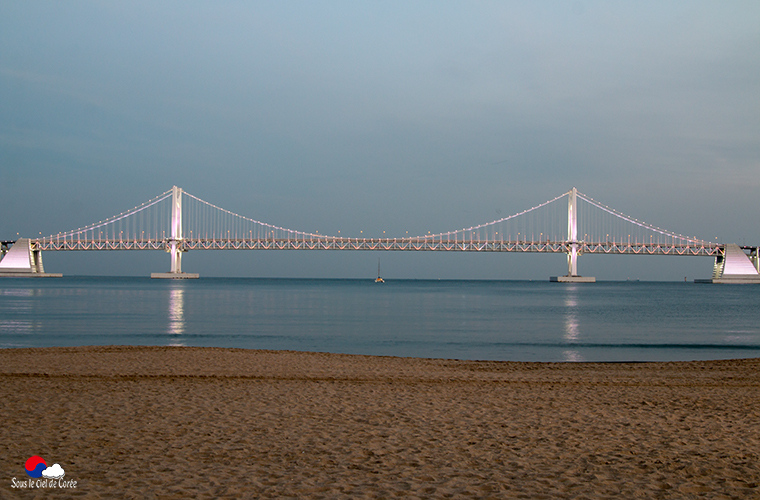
379	279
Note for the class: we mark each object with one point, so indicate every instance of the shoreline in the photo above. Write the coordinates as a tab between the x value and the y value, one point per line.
229	423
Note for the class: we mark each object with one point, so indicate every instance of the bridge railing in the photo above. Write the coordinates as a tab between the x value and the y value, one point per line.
383	244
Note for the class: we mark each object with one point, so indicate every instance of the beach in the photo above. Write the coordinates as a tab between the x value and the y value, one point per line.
180	422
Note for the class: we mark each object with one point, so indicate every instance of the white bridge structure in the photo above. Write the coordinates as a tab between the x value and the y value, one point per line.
572	223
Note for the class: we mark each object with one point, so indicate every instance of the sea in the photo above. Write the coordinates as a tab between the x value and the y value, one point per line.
474	320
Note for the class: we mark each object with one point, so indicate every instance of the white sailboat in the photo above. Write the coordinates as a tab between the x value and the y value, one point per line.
379	279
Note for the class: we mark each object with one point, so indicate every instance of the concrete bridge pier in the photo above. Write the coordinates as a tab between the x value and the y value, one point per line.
176	251
20	261
735	266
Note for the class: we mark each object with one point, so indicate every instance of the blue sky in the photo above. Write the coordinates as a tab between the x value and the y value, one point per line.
380	116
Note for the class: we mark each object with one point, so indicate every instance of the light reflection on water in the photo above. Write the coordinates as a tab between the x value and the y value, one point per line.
571	323
573	356
19	301
15	326
18	292
176	315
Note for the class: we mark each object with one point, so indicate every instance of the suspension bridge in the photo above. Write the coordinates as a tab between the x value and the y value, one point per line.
572	223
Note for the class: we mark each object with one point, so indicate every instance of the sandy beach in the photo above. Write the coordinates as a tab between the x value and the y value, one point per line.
179	422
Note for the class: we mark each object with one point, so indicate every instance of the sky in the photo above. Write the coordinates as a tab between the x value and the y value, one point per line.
381	116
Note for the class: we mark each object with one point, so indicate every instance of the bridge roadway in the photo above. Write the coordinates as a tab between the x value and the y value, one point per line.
383	244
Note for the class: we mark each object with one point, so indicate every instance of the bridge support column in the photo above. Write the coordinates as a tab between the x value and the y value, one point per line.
735	266
175	243
572	260
572	239
176	257
20	261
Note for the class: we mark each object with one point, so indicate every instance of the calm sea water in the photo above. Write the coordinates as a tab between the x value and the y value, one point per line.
498	320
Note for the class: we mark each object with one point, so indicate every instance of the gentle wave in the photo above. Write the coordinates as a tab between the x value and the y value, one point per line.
591	345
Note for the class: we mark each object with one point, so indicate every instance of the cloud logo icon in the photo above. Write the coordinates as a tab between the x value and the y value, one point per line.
55	471
34	466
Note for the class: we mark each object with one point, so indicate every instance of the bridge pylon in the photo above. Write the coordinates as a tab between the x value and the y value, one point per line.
175	247
572	275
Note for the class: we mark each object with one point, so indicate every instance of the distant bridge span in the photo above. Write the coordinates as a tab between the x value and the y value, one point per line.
579	226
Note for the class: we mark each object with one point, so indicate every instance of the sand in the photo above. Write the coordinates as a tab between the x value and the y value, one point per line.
179	422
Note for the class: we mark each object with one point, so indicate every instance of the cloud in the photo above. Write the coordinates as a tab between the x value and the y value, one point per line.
55	471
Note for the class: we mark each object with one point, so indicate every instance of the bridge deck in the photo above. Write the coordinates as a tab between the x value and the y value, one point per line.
384	244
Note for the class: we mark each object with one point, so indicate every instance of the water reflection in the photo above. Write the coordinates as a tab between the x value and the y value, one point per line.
572	356
16	326
572	330
19	300
18	292
176	314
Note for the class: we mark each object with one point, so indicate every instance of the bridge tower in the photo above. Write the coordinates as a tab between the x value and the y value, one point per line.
572	242
174	243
